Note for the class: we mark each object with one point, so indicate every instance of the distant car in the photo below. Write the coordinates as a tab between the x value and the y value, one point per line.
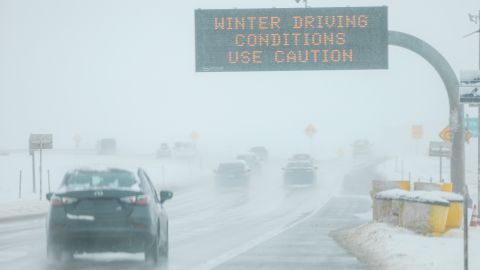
107	209
184	150
107	146
300	172
302	157
164	151
361	149
261	152
252	161
233	173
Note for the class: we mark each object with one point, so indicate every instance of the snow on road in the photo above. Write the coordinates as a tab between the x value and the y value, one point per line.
205	224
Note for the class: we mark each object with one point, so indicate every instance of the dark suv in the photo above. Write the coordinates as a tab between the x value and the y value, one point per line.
107	209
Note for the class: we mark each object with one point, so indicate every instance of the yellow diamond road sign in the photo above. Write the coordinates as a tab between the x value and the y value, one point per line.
310	130
446	135
417	132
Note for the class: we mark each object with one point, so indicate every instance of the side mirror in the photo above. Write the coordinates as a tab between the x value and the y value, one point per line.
165	195
49	196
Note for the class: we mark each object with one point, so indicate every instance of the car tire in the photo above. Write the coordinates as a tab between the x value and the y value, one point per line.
152	252
165	245
54	251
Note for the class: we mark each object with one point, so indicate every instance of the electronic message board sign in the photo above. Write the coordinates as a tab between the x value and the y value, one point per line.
345	38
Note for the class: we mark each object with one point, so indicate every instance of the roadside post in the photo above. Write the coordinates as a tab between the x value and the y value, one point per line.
310	131
32	153
402	169
194	136
40	172
48	179
163	175
40	142
20	185
465	227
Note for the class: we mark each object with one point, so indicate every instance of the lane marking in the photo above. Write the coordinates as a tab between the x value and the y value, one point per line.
229	255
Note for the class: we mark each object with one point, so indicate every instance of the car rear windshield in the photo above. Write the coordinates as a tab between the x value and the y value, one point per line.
299	165
112	179
231	167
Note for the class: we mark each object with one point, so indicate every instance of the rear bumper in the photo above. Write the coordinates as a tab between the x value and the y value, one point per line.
232	180
124	240
300	178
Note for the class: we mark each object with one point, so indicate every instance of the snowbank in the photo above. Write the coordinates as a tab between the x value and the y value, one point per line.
387	247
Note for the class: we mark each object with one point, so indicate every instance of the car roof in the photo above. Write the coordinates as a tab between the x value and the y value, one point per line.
104	168
247	155
236	161
302	161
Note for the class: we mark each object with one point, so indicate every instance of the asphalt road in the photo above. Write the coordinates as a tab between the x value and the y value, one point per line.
266	226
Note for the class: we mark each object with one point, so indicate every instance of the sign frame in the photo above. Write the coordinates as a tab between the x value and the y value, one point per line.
40	141
440	149
469	90
224	44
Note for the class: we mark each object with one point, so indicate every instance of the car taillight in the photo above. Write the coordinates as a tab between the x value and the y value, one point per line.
142	200
59	200
137	200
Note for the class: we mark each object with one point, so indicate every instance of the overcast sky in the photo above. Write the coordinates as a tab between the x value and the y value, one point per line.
126	69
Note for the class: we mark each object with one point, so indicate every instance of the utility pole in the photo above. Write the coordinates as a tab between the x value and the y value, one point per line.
478	137
476	19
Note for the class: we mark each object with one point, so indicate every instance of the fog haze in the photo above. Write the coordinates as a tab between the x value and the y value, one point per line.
126	69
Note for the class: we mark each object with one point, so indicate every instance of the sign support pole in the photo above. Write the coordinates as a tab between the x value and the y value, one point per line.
441	165
33	171
478	123
465	228
478	152
40	171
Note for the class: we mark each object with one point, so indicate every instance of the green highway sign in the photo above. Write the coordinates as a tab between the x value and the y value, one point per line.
472	125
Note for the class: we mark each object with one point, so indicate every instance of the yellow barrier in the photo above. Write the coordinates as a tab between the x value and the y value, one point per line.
426	218
438	219
405	185
426	186
455	215
447	187
427	212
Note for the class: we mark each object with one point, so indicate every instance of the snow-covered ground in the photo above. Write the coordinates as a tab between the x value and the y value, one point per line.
388	247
